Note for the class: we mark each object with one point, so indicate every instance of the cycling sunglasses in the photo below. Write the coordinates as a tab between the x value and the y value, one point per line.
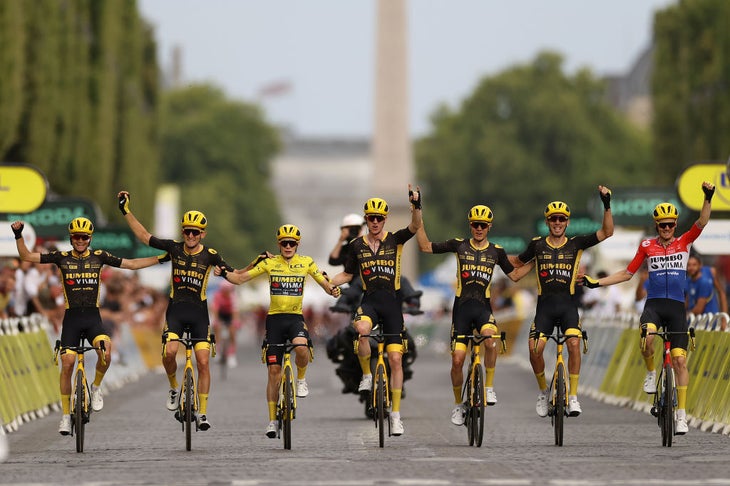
375	217
191	231
558	219
478	225
80	237
666	225
288	243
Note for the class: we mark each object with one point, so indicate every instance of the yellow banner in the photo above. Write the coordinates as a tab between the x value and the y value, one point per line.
689	186
22	188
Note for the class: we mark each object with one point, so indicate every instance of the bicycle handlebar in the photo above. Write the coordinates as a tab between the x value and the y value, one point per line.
80	349
478	339
665	335
288	347
562	338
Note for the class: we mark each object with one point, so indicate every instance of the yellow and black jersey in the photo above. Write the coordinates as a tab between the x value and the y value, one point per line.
190	271
474	266
286	281
557	266
81	274
381	270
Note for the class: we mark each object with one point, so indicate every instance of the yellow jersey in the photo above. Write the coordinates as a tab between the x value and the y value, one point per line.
286	281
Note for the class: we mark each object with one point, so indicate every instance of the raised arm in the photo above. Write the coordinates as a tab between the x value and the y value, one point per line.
139	231
23	252
709	190
607	226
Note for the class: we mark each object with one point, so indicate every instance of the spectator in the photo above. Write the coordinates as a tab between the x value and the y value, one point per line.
602	301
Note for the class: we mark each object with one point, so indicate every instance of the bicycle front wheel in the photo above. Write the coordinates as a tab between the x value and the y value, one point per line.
380	404
477	407
667	409
287	409
559	405
79	409
188	409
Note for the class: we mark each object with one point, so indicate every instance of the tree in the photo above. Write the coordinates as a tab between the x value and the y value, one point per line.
523	138
690	86
219	151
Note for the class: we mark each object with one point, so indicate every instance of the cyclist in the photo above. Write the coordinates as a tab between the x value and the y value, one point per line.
224	308
557	260
376	258
472	311
192	263
81	271
667	257
287	273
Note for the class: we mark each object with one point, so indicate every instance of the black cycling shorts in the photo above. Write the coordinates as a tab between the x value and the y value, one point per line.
470	316
188	315
555	310
279	329
78	321
385	308
669	314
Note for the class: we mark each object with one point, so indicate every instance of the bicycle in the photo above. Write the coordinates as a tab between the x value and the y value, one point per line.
380	395
557	407
188	401
286	405
665	397
473	393
80	392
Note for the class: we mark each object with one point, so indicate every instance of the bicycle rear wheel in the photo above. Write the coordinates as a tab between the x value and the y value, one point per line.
188	409
559	405
287	411
380	404
667	410
477	407
78	411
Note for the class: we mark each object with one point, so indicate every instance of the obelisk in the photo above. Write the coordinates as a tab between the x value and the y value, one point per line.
392	154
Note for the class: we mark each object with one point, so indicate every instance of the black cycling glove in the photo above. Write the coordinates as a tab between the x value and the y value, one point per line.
590	282
606	199
416	203
18	232
708	193
124	204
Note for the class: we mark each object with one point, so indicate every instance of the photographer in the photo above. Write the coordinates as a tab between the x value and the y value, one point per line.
351	227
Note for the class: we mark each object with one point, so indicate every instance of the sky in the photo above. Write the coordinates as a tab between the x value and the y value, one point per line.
320	53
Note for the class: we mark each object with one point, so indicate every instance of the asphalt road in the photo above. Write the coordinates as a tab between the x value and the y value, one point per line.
135	440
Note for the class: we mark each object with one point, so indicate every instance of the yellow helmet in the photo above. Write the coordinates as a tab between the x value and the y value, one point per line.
375	205
665	210
480	213
81	225
288	232
194	219
557	207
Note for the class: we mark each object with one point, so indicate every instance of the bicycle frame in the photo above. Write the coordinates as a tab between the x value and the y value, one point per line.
558	406
286	406
80	391
380	399
473	392
188	400
665	397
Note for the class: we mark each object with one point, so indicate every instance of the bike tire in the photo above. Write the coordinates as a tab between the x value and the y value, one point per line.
188	409
287	407
469	415
380	404
79	411
559	405
668	407
478	406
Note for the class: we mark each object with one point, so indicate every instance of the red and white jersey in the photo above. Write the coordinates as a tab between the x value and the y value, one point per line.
667	265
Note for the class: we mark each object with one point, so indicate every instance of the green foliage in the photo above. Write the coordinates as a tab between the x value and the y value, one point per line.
690	86
524	137
12	61
218	151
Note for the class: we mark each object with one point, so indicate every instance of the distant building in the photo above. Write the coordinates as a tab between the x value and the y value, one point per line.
630	93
